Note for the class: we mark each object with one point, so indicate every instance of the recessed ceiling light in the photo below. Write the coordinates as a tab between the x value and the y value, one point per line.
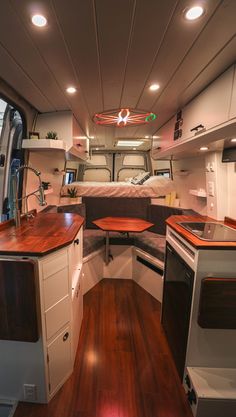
233	140
156	137
204	148
134	149
97	149
92	137
129	143
194	13
39	20
154	87
71	90
146	137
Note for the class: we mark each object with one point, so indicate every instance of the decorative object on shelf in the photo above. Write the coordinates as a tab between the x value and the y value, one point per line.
51	135
123	117
58	171
34	135
72	192
178	124
46	185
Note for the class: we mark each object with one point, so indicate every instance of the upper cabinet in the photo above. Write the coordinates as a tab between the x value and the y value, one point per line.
210	108
232	112
164	139
68	131
208	117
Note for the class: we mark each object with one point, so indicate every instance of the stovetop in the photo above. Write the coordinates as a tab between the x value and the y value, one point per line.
213	232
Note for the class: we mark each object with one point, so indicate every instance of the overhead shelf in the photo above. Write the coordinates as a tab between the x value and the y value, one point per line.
198	193
43	144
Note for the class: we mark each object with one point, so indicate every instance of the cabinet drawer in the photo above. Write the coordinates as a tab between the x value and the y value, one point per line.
57	316
54	264
59	359
55	288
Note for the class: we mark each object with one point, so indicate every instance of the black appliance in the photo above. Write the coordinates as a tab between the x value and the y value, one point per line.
210	231
229	151
177	298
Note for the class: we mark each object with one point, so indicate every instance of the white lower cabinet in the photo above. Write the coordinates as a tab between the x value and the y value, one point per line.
77	314
59	359
45	365
61	311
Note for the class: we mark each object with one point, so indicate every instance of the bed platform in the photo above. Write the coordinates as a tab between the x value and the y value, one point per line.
158	188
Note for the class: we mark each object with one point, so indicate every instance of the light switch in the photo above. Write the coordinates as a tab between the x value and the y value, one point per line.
211	187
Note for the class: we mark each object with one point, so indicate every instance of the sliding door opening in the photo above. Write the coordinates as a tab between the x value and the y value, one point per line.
11	155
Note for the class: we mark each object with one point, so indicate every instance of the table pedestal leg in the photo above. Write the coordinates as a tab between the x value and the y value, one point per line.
107	248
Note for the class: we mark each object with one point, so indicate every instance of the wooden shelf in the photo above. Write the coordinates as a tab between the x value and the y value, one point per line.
181	173
198	193
43	144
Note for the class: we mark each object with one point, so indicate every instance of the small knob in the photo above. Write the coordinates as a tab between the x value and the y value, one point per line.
65	337
187	381
76	241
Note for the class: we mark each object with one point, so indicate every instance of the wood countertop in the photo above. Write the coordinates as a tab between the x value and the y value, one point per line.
44	233
173	221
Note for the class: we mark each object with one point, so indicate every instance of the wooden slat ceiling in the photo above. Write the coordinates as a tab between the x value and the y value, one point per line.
112	50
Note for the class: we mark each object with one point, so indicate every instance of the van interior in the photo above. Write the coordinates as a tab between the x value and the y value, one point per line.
117	208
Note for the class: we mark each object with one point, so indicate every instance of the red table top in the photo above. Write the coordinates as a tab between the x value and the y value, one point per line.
122	224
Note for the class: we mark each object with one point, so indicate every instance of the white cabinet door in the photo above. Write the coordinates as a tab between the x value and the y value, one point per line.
57	316
75	256
211	107
59	360
232	112
77	314
165	138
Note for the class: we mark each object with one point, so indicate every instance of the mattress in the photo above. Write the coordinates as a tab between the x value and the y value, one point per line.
118	189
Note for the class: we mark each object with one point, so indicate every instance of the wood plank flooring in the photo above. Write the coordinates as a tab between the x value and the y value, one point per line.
123	366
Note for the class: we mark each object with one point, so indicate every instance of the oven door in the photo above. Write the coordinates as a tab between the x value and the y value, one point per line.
177	298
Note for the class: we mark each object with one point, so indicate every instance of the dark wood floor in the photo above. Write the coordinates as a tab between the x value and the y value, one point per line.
123	366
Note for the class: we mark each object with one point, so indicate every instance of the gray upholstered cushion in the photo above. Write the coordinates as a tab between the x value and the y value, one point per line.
151	243
98	207
92	241
158	215
147	241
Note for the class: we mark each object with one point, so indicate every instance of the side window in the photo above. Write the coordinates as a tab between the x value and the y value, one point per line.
11	155
70	175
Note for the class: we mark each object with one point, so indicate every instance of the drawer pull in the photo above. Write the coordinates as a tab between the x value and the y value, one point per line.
197	127
76	241
65	337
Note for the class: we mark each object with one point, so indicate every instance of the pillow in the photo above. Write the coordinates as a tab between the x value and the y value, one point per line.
128	179
140	178
160	185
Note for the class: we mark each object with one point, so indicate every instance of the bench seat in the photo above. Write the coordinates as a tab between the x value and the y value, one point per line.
149	242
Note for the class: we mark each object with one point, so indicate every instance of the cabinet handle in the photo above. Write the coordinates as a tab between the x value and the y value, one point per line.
65	337
76	241
196	128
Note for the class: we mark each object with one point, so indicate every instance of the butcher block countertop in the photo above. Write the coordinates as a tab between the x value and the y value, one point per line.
44	233
173	221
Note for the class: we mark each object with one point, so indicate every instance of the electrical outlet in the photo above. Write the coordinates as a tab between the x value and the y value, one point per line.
30	392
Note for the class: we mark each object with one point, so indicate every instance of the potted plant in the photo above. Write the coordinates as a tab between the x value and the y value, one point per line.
51	135
72	193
